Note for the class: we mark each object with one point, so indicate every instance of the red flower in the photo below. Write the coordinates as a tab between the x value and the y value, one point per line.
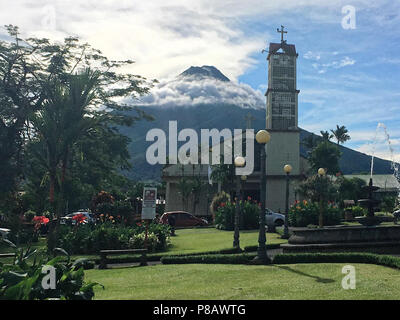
79	218
249	198
222	204
40	220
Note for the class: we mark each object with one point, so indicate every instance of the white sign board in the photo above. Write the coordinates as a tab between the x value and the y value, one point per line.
149	203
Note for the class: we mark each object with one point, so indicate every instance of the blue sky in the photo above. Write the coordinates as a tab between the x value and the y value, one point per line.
346	76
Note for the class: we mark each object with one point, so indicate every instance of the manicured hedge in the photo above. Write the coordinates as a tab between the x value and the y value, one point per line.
209	259
254	248
342	257
157	257
245	258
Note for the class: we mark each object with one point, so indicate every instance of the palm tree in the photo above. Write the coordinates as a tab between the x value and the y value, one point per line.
326	136
64	119
341	134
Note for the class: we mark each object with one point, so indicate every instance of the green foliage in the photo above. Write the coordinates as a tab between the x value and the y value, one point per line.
220	197
340	134
88	239
305	213
315	187
325	155
358	211
22	280
138	241
350	189
28	215
249	215
388	204
209	259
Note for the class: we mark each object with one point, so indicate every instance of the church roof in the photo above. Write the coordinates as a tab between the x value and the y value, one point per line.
289	49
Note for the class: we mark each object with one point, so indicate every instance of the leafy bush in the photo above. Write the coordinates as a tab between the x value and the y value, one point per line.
137	241
22	280
358	211
28	215
89	239
249	215
219	198
305	213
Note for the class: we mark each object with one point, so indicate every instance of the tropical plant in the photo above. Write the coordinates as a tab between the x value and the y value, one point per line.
340	134
325	155
23	278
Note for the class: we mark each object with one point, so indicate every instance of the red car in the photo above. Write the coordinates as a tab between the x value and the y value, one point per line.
182	219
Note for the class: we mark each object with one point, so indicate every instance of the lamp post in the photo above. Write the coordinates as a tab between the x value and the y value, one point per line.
287	168
239	162
262	137
321	173
243	181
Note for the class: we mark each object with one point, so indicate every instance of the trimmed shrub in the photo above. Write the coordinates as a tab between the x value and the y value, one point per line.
255	247
90	239
209	259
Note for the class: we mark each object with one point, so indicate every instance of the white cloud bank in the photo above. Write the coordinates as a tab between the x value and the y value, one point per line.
185	91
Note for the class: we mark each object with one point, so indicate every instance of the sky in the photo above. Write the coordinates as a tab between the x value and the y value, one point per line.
348	64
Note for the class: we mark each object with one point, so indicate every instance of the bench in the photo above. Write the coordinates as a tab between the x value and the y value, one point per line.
105	253
7	255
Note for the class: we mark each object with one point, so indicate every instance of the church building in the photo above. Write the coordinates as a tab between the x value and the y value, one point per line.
283	147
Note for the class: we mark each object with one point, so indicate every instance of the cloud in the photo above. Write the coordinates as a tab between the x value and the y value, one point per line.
186	91
335	64
165	36
309	55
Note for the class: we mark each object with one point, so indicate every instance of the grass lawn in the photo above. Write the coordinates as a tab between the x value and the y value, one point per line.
210	239
199	281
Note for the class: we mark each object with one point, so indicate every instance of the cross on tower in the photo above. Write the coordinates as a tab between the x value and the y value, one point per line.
281	32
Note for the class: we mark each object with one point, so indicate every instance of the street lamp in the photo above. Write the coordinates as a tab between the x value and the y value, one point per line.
321	173
239	162
287	168
262	137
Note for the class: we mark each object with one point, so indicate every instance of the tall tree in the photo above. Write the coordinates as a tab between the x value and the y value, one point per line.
325	155
57	93
340	134
326	136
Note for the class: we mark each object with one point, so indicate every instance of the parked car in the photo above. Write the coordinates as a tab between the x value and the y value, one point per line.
4	232
68	218
273	218
396	215
182	219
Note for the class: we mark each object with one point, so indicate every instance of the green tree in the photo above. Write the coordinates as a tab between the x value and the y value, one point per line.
340	134
55	93
325	155
326	136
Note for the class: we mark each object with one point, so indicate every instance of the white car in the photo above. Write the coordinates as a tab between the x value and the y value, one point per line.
273	218
4	232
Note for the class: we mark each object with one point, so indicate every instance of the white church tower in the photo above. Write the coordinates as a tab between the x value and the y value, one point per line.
281	121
